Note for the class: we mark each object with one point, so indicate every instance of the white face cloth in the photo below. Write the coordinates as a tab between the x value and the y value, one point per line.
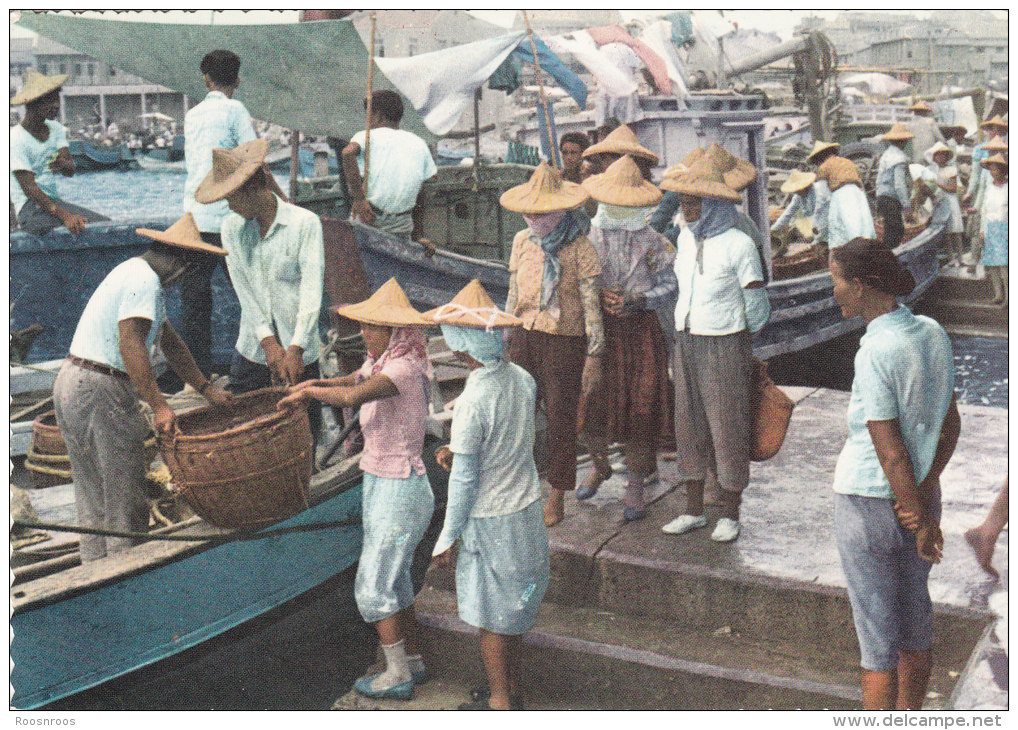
615	217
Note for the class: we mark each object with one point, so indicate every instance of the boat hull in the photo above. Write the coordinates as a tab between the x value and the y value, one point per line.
96	630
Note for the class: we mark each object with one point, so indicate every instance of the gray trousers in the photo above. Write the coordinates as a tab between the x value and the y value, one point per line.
102	424
712	412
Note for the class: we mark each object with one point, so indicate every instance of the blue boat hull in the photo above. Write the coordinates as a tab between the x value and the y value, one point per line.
65	646
53	276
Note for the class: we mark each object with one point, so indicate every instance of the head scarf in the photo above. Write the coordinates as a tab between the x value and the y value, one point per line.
409	343
621	217
555	230
716	217
872	262
485	346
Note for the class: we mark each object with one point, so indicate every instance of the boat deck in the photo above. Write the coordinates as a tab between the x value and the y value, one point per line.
761	622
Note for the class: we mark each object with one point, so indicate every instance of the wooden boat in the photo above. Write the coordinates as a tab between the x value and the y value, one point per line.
82	626
173	153
89	157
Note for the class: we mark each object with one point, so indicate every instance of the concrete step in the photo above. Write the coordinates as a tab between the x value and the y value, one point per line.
581	657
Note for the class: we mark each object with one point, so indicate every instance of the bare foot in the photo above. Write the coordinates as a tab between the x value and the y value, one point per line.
554	508
983	547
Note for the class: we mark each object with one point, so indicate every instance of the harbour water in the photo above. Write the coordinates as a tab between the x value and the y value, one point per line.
980	362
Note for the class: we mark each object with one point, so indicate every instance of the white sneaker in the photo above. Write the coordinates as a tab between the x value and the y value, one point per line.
726	530
684	523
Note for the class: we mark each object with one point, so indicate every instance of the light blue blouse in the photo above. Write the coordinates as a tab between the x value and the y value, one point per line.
905	370
892	175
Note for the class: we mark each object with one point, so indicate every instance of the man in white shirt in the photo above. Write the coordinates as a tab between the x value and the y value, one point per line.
398	164
97	391
38	149
277	264
218	121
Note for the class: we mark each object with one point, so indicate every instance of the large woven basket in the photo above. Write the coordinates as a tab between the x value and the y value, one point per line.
47	459
243	465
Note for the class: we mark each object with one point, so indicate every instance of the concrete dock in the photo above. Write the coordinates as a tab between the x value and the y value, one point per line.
638	619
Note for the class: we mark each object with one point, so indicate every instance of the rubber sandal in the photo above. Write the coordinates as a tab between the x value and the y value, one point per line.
726	530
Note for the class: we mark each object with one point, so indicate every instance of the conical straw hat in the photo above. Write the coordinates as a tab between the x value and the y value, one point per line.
838	171
622	184
997	158
473	308
995	121
947	179
37	85
184	233
938	147
702	180
819	147
693	156
920	106
797	181
737	173
544	192
387	307
995	145
621	141
805	228
897	133
231	169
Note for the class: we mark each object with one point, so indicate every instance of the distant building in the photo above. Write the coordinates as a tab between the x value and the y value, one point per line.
96	93
948	48
557	22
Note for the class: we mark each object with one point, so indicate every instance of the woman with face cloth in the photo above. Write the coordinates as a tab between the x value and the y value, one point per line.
903	425
721	303
494	509
392	390
553	288
634	401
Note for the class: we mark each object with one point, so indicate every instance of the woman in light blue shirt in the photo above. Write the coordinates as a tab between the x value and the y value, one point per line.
903	425
721	302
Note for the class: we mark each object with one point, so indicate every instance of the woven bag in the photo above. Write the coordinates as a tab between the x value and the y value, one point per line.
772	410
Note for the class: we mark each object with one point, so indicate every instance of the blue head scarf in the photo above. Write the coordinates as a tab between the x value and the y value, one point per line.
716	217
485	346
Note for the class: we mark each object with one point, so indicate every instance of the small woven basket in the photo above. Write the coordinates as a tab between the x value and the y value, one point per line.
243	465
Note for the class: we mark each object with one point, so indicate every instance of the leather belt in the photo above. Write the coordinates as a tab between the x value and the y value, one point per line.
98	367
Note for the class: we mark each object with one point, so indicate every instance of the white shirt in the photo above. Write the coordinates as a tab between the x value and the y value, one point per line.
713	300
278	279
399	164
848	216
28	153
131	290
215	122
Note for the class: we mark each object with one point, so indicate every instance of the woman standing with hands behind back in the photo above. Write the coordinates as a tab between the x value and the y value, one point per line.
903	425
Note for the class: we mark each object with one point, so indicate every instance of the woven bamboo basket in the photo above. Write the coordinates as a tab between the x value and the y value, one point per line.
243	465
47	459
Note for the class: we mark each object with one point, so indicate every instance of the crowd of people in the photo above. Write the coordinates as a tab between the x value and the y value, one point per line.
625	321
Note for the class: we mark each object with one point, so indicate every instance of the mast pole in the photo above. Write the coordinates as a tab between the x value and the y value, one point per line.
540	88
371	81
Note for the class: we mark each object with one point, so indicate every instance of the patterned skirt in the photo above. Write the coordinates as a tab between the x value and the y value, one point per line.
635	399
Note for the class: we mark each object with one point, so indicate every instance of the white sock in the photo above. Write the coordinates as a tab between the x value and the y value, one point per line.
397	669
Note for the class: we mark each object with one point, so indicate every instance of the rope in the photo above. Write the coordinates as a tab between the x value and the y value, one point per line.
450	310
238	535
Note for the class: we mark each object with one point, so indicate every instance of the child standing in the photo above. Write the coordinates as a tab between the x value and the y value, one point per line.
494	508
392	390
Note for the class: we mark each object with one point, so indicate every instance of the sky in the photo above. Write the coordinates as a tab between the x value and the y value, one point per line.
781	22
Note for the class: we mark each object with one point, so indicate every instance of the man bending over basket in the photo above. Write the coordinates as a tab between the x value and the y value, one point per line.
97	391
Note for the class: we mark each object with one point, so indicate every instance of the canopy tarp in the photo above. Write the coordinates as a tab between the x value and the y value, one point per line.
305	76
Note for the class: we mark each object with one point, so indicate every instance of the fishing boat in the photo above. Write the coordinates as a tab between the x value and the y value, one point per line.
90	157
160	598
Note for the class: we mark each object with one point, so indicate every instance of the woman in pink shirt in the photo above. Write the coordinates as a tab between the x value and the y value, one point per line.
391	389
